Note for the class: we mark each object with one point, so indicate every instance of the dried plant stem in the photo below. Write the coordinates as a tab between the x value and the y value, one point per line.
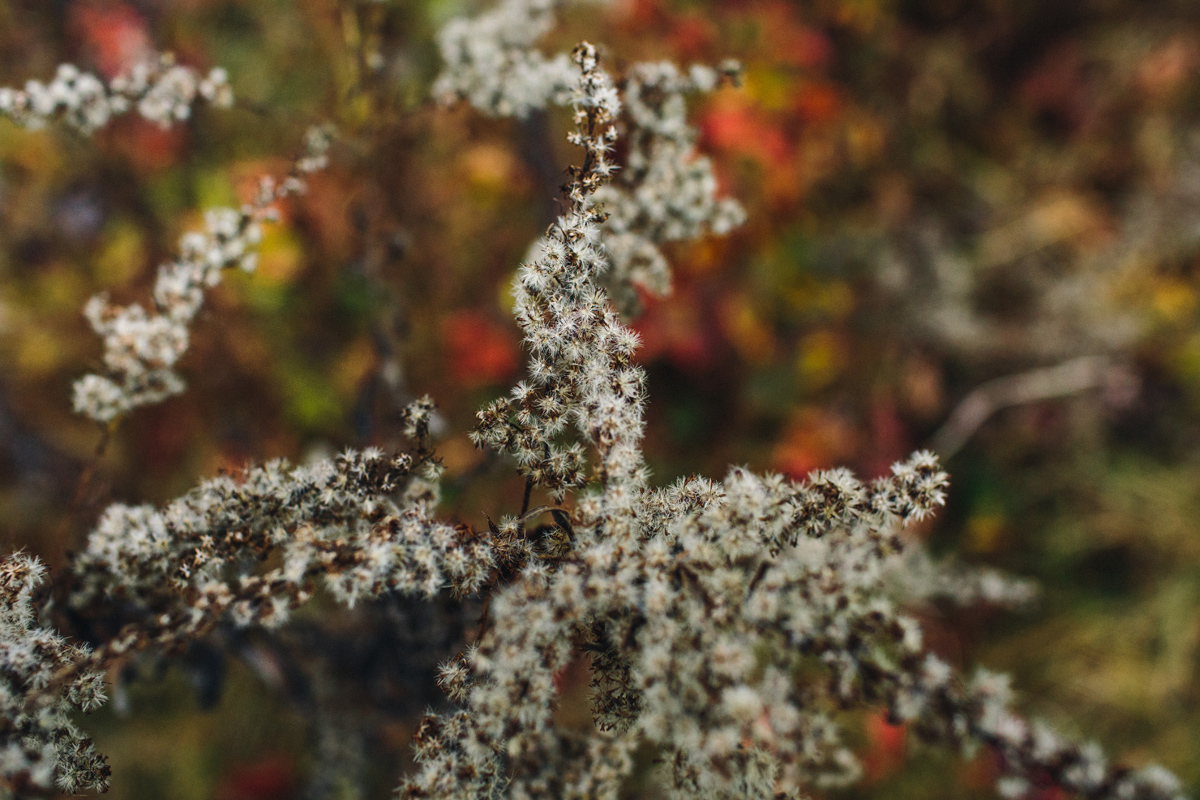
1068	378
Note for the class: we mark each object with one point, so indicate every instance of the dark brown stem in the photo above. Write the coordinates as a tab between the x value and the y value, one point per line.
524	506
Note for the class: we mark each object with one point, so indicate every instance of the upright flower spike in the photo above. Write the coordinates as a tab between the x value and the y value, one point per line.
141	348
581	371
666	191
160	91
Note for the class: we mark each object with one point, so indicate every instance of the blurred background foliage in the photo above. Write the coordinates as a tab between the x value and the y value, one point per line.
940	193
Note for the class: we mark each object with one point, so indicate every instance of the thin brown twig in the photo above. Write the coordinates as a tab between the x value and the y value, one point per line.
84	482
1070	377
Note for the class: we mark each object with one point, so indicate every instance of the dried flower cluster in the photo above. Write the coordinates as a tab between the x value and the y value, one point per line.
39	744
492	63
699	605
726	625
332	520
665	191
360	523
580	370
161	91
141	348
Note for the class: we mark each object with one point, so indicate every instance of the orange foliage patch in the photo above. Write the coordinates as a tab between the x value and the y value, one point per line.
479	350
